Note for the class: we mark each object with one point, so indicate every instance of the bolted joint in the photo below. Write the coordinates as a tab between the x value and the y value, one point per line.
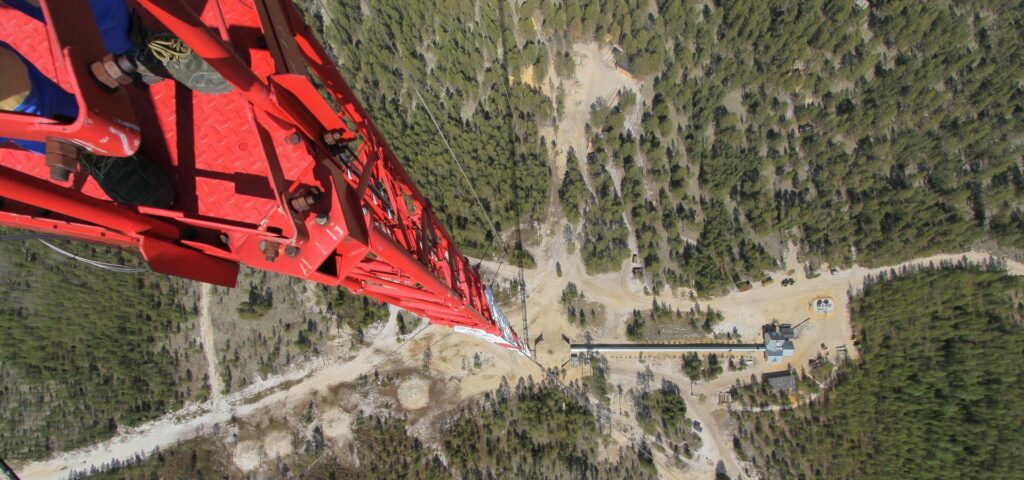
322	219
62	158
113	71
302	203
305	201
332	137
291	251
271	250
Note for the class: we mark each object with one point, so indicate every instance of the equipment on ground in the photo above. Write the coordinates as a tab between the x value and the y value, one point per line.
796	328
287	173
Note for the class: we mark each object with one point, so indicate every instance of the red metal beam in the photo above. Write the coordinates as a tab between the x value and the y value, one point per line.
33	191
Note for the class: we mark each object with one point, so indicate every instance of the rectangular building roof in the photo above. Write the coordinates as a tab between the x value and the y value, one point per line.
780	381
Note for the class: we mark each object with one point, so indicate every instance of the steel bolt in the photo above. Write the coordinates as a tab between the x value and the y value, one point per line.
59	173
269	249
113	71
322	219
62	158
303	203
291	250
292	139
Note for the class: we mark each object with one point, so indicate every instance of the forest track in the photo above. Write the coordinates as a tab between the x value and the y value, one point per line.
206	338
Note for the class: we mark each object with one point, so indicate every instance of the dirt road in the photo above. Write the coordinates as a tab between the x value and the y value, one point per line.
209	349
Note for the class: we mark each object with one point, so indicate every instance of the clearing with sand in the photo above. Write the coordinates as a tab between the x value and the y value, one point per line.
596	79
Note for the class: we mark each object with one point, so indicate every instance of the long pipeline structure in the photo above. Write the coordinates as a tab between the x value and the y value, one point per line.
579	348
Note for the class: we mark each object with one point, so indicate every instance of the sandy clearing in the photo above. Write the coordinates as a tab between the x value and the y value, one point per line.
413	393
247	455
278	444
596	78
733	102
454	357
337	425
527	76
715	446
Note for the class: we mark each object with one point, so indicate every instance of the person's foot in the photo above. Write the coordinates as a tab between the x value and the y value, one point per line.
130	180
160	54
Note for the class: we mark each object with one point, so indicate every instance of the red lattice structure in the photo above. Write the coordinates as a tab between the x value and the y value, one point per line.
274	175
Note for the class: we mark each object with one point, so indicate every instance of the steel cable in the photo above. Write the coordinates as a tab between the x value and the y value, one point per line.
43	237
486	215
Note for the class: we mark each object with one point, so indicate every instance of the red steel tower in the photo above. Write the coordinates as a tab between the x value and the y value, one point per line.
278	174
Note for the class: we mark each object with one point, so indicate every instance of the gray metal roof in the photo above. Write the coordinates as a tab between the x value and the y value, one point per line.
777	346
779	381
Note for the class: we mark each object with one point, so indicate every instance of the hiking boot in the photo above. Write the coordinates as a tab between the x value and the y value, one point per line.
129	180
160	55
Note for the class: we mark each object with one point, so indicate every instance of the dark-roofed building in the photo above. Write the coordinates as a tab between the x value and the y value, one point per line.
783	381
